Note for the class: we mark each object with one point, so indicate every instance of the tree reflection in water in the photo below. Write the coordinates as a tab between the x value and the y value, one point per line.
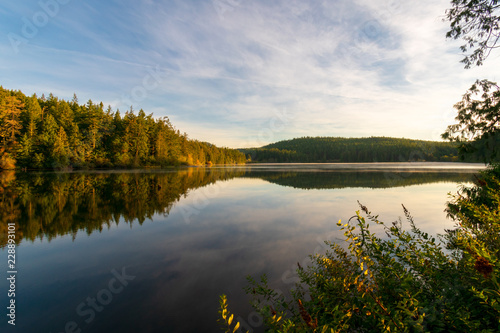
48	205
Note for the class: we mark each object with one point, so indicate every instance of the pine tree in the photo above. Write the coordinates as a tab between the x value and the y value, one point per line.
60	149
10	125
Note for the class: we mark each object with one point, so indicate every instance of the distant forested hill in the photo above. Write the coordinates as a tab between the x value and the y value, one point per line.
39	132
335	149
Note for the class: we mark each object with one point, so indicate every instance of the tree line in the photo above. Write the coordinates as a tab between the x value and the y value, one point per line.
39	132
372	149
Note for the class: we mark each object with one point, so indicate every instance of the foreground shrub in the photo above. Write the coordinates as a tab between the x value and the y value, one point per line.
476	238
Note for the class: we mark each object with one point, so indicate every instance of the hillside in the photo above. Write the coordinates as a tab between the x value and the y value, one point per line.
336	149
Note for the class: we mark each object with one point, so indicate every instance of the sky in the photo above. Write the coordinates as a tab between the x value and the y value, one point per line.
246	73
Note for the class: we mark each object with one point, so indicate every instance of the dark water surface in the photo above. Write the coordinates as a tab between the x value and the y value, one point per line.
151	250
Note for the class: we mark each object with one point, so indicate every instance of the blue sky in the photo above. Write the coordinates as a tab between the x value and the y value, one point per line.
246	73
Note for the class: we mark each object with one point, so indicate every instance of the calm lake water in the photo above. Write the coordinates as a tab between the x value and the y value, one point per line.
152	250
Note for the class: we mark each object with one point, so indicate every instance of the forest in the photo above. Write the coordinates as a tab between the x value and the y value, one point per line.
372	149
51	133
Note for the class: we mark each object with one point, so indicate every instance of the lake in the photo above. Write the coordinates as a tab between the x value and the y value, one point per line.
152	250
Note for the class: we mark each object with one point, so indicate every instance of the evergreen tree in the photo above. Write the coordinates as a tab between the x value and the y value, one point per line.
10	124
